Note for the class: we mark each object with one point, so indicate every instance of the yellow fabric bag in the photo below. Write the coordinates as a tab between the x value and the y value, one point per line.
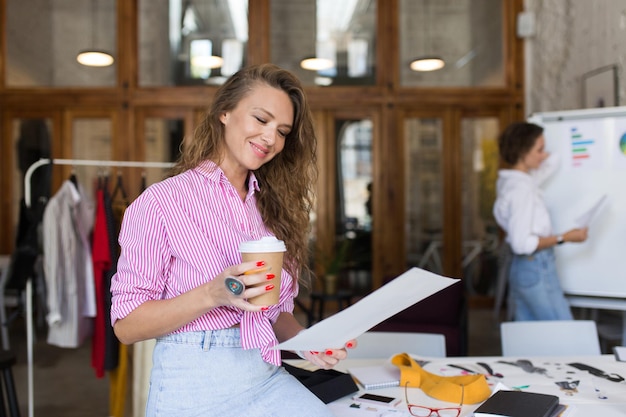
462	389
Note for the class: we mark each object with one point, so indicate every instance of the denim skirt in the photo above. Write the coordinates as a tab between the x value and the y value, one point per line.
534	288
208	374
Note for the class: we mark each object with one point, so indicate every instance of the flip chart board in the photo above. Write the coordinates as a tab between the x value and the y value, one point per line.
591	179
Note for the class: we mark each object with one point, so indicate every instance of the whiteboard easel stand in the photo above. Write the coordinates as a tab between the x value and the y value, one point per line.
29	289
603	303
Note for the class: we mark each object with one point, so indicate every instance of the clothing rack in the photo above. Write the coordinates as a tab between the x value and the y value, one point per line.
27	187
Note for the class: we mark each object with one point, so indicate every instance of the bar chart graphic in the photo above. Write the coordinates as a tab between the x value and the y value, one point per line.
584	147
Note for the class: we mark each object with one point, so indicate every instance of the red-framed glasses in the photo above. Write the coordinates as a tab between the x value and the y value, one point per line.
423	411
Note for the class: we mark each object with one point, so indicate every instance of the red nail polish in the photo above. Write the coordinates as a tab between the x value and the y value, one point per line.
315	352
349	345
260	263
269	287
270	276
264	308
329	352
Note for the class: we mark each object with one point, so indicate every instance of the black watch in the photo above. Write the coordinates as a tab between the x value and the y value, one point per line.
560	240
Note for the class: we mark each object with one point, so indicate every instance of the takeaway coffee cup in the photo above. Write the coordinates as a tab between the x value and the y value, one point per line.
270	250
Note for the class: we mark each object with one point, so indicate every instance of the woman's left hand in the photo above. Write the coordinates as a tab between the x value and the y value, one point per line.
330	357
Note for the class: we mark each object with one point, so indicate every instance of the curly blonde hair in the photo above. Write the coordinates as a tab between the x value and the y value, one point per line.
286	182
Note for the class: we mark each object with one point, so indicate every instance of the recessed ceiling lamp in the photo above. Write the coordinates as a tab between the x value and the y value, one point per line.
94	57
427	63
316	64
323	81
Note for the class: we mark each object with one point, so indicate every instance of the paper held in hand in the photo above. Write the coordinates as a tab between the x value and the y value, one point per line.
402	292
585	218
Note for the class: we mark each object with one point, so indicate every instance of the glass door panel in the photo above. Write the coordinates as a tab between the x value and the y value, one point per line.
92	140
342	219
353	196
424	193
161	143
479	138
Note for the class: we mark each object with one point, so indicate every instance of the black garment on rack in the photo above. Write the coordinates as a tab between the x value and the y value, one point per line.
112	344
32	144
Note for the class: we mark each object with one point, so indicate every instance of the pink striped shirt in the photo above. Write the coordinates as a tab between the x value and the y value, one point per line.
181	233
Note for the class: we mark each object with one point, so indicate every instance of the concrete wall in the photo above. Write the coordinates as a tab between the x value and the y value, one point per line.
572	37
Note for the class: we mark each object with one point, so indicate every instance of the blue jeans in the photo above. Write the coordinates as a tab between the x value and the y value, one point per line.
209	374
534	288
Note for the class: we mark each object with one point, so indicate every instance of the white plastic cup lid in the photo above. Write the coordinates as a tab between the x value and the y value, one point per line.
265	244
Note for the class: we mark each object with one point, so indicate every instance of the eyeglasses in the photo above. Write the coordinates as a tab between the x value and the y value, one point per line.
421	411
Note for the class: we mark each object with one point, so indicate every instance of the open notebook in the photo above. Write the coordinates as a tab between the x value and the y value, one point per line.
377	376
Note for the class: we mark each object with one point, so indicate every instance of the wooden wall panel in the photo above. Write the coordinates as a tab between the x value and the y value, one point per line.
386	103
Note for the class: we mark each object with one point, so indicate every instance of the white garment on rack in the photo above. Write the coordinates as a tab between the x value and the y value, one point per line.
68	269
142	368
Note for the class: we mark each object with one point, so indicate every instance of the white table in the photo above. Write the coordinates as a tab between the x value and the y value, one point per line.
584	400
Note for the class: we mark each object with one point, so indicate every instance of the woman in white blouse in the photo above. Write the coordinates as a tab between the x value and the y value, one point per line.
520	210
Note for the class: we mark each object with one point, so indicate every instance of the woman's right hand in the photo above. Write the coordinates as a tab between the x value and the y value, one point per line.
575	235
252	276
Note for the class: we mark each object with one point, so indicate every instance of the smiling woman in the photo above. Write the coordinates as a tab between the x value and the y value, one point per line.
246	174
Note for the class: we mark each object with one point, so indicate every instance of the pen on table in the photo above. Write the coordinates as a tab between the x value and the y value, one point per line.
471	371
490	370
521	387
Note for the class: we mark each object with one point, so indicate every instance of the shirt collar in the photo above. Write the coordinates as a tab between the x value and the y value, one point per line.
214	173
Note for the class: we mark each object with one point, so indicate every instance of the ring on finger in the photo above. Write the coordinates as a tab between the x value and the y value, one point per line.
234	285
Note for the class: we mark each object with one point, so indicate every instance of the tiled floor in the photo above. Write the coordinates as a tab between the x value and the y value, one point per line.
65	384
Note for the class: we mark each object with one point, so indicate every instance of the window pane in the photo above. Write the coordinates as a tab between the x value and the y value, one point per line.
424	193
44	38
466	34
339	33
191	42
480	232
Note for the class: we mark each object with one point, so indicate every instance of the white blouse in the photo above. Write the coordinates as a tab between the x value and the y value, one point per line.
520	209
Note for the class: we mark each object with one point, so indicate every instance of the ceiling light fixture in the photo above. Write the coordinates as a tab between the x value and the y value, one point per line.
94	57
316	64
207	61
427	63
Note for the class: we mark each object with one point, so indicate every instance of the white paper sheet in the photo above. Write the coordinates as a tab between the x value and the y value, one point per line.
402	292
585	218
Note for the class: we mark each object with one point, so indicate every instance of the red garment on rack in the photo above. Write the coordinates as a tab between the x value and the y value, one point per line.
101	256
